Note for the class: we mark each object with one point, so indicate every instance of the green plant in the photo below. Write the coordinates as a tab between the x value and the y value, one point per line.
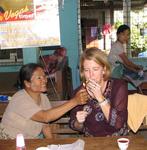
138	42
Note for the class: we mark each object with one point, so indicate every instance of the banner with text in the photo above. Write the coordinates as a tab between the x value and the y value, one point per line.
29	23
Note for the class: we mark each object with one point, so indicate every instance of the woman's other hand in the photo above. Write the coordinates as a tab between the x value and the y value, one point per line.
81	116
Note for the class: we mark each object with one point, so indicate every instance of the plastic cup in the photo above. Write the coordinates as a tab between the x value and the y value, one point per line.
20	140
123	143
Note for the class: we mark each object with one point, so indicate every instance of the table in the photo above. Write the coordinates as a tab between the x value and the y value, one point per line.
91	143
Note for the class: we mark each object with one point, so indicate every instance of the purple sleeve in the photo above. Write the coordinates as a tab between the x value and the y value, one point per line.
119	101
73	117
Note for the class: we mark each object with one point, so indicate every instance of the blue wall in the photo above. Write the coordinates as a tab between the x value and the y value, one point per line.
30	55
69	36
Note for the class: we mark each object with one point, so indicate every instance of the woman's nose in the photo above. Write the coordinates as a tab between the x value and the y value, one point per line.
90	74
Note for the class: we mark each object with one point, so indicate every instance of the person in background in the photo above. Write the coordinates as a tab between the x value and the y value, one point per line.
105	113
29	110
118	50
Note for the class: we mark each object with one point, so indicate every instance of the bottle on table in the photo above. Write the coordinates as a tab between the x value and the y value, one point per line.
20	143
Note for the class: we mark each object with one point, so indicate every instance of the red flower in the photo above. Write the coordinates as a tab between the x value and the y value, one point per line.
106	29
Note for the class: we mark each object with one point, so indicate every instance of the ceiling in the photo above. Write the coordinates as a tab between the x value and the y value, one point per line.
116	4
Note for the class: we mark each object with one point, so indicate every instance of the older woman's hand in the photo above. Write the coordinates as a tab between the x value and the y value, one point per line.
81	97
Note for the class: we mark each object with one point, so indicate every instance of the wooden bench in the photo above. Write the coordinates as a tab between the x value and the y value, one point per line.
62	124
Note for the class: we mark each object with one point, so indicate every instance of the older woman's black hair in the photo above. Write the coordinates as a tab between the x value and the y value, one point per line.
122	28
26	72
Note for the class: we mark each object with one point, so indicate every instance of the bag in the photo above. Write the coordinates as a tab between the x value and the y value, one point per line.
121	71
134	75
118	72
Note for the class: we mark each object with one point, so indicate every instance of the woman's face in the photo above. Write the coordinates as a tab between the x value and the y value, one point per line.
124	36
93	71
38	81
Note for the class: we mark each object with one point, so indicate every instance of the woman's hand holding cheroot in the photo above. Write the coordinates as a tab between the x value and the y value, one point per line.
94	89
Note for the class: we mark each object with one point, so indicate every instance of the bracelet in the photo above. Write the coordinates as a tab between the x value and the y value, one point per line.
102	103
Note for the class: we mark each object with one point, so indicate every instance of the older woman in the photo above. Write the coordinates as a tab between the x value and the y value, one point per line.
29	110
105	114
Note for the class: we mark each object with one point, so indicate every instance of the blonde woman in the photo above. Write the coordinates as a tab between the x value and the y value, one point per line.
105	114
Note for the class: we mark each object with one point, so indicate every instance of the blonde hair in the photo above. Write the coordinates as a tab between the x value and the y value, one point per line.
99	57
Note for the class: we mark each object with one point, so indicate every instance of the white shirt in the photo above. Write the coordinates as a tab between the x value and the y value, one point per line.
116	49
17	117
